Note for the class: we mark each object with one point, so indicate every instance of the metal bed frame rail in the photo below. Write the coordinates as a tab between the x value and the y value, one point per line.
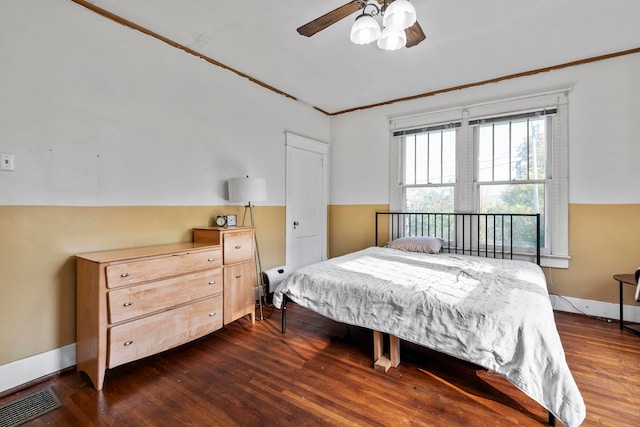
494	235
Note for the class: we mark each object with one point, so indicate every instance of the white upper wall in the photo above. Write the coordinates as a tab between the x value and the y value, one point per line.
99	114
604	133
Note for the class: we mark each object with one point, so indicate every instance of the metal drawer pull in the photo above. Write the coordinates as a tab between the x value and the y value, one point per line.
128	303
213	313
238	276
125	275
211	259
213	282
238	247
128	343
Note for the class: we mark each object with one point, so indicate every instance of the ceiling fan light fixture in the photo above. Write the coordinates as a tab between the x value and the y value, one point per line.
391	39
396	19
365	30
399	15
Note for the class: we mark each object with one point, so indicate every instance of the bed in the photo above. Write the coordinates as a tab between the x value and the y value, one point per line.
456	286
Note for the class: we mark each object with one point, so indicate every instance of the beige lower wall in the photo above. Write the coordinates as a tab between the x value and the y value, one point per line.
37	264
37	244
351	227
603	240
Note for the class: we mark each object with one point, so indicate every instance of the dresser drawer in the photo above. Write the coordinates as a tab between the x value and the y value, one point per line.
159	332
146	269
239	291
139	300
237	246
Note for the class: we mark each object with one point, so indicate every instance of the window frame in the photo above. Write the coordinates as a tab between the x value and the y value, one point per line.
466	191
549	117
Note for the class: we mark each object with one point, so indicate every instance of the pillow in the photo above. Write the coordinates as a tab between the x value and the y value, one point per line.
426	244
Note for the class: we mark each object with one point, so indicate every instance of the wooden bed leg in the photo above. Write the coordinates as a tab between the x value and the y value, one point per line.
394	350
380	361
378	345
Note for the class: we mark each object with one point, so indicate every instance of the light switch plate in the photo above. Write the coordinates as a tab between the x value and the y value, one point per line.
7	161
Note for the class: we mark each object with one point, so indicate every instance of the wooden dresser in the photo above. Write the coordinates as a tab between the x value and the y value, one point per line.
133	303
239	268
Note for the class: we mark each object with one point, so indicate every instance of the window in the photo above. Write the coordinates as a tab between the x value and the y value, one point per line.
498	157
511	165
430	170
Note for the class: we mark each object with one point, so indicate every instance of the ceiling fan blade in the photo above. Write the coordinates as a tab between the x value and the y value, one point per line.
414	35
329	18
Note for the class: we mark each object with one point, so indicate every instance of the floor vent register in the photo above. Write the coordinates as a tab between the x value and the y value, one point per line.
28	407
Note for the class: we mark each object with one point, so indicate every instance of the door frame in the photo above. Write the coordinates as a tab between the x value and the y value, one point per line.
300	142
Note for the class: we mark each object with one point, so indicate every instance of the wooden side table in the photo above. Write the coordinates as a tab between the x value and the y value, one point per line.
628	279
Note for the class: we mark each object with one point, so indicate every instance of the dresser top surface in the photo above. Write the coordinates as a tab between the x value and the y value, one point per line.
229	229
144	251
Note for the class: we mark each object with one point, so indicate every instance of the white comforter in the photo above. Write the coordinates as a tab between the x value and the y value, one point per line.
494	313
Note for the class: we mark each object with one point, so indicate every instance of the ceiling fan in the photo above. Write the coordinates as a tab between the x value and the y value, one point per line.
410	36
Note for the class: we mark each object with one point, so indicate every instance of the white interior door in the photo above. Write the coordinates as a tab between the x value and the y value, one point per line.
306	211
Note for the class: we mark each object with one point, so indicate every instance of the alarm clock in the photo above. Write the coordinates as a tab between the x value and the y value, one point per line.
232	220
221	220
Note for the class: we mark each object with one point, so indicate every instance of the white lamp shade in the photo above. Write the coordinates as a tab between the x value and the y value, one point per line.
365	30
392	39
247	189
399	15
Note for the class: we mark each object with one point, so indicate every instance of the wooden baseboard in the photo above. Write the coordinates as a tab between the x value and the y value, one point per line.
16	375
598	309
37	381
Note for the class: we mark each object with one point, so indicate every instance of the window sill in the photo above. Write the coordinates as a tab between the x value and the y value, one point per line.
552	261
555	261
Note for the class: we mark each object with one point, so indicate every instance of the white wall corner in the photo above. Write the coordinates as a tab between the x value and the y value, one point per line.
25	370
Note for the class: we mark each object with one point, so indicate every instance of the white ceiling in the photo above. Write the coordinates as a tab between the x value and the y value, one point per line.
467	41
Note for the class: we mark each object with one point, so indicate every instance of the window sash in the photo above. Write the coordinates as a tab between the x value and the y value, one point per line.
429	161
531	171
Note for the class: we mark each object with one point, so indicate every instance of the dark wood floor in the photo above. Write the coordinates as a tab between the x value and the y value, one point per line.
315	375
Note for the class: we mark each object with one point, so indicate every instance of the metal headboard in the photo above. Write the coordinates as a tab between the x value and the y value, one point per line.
496	235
